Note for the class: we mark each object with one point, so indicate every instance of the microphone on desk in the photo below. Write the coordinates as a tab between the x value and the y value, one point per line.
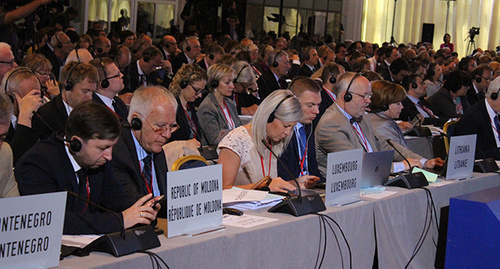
296	206
119	243
410	181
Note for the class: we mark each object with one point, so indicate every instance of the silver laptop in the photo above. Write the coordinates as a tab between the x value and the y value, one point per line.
376	168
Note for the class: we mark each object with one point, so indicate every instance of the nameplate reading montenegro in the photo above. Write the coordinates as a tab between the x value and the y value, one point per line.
31	230
343	177
194	199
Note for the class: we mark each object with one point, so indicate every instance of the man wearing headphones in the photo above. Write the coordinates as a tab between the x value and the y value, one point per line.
212	55
482	119
78	161
309	61
481	78
390	54
300	155
344	127
102	45
57	50
168	47
138	159
143	71
24	88
415	104
110	84
191	50
78	82
274	78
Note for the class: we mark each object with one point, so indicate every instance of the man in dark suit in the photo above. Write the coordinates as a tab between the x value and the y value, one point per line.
168	47
331	73
300	155
110	84
274	78
57	50
482	119
212	55
78	161
143	71
390	54
309	61
481	78
79	82
415	103
138	159
191	50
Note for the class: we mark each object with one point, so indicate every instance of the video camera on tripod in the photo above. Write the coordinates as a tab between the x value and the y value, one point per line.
473	32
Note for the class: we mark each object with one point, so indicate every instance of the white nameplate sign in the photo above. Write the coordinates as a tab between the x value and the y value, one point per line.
343	178
194	199
461	156
31	230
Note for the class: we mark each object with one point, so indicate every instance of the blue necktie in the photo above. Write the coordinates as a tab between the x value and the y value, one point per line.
497	124
303	143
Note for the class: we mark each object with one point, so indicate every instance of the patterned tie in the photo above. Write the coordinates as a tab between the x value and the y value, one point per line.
358	120
426	109
146	170
143	81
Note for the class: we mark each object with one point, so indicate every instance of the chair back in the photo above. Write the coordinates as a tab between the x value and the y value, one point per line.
449	129
190	161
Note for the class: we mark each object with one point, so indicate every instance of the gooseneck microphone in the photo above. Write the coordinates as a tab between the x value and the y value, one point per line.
410	181
296	205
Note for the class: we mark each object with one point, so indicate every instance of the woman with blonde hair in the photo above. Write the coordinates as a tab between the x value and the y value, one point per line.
246	162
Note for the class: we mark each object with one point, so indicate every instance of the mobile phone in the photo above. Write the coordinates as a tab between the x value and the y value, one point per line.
162	198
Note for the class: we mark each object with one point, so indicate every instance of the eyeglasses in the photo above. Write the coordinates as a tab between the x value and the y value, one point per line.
160	130
198	91
366	96
11	62
487	79
115	76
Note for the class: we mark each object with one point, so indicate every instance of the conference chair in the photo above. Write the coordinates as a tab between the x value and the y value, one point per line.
190	161
449	129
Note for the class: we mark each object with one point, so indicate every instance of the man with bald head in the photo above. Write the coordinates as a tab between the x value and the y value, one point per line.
168	47
102	45
57	50
343	126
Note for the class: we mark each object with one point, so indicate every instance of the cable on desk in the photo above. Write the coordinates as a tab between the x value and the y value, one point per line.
327	219
156	261
321	228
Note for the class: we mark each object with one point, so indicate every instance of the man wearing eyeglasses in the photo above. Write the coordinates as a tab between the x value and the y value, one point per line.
138	158
110	84
57	50
481	79
143	71
343	127
7	61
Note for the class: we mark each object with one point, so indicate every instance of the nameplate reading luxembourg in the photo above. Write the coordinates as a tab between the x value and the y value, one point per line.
31	230
343	179
194	199
461	156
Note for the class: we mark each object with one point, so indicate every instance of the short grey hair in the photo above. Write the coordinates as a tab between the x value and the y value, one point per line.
344	82
146	98
494	86
244	72
275	55
289	111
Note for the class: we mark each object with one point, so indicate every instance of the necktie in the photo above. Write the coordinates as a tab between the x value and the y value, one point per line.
497	124
146	171
82	190
426	109
115	107
303	143
358	120
282	83
143	80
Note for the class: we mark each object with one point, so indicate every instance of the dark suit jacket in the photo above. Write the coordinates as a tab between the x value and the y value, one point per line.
267	84
128	171
410	111
290	158
202	63
184	131
326	102
21	139
46	168
477	121
54	114
444	105
305	71
54	61
473	97
131	78
178	61
384	71
121	108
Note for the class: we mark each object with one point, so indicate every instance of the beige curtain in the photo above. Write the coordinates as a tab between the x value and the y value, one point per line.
412	14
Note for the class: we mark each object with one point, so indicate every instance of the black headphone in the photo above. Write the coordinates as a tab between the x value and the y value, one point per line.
276	64
75	145
214	84
307	57
185	82
348	95
67	84
431	72
414	84
211	56
188	48
479	79
239	73
59	44
333	79
19	69
272	116
166	46
77	56
105	81
99	50
494	95
136	124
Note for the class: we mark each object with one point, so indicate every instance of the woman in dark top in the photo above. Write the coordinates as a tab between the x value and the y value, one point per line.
451	101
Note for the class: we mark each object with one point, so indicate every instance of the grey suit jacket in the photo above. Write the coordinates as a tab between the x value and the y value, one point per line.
334	133
8	185
211	117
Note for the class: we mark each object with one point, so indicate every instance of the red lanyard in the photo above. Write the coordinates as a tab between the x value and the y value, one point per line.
329	94
229	120
262	163
191	122
148	186
362	136
302	161
115	113
257	71
87	187
493	125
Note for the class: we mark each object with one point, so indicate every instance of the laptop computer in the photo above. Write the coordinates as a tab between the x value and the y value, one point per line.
376	168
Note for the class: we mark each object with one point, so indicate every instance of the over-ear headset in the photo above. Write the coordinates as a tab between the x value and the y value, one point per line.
18	70
185	82
211	56
214	84
272	116
99	50
348	95
494	95
75	145
239	73
307	57
136	124
67	84
59	44
479	79
188	48
333	79
414	84
105	81
275	63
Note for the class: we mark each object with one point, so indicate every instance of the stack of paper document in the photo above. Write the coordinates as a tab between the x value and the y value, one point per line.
248	199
